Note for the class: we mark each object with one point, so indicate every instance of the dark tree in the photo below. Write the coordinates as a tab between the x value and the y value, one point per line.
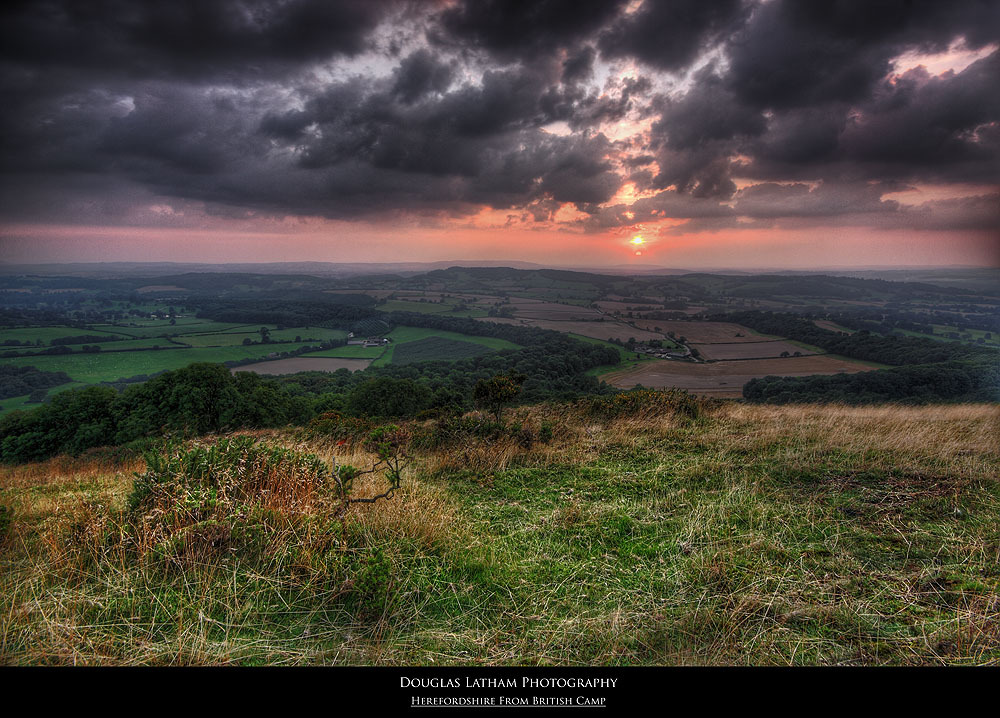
493	394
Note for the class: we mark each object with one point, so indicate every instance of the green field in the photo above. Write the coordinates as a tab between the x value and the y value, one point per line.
940	332
402	305
109	366
161	327
628	359
404	335
47	334
124	344
400	335
222	342
21	402
308	335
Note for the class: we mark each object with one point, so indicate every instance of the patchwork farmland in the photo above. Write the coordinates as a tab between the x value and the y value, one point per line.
751	350
726	378
606	330
294	365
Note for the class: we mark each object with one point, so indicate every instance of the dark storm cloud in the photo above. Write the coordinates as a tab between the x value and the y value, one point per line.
515	30
938	126
669	35
579	66
799	54
486	138
770	201
808	96
696	134
914	127
350	108
190	38
420	74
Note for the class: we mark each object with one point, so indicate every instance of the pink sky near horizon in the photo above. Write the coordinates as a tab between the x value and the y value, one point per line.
340	241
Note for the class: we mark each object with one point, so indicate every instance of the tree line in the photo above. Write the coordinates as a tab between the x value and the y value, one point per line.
924	370
208	398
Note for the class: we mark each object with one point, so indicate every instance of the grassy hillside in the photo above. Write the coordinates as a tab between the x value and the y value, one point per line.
615	531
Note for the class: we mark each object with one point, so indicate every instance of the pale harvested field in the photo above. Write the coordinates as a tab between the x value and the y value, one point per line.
551	310
297	364
749	350
824	324
620	298
725	379
708	332
628	306
595	330
651	324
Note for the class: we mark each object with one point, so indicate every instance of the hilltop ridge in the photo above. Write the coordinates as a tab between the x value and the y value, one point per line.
633	529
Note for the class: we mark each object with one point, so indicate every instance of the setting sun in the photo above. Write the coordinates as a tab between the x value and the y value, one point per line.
637	240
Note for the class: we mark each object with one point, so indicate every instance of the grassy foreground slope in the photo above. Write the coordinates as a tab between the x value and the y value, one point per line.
748	535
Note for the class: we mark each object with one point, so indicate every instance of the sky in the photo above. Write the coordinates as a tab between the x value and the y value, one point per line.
679	133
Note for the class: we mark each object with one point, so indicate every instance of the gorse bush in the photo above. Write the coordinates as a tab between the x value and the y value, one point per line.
339	427
455	431
235	497
495	393
237	470
278	512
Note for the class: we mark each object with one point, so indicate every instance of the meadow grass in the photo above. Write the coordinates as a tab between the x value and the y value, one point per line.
628	359
112	365
47	334
403	334
351	351
184	325
601	533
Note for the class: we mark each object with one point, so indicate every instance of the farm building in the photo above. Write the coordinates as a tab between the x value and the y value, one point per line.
366	341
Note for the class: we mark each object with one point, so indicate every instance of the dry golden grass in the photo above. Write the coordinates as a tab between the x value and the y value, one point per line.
961	438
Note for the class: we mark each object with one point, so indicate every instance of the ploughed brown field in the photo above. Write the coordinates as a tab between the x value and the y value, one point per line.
608	329
552	310
297	364
749	350
650	323
572	313
725	379
707	332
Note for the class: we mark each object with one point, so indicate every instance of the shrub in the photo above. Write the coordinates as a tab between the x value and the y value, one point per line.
495	393
280	511
202	482
455	431
335	425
